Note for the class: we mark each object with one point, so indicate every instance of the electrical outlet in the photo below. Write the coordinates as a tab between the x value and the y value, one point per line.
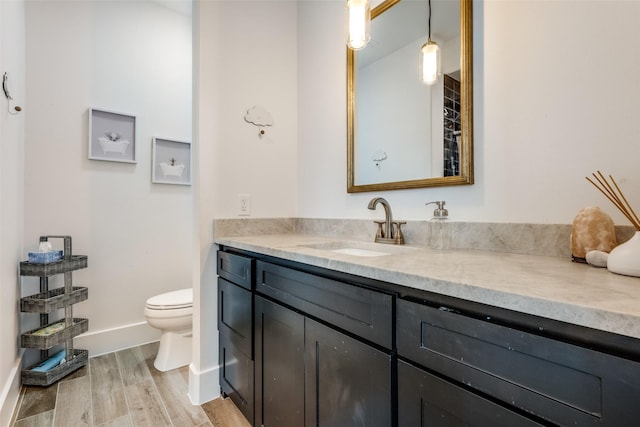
244	204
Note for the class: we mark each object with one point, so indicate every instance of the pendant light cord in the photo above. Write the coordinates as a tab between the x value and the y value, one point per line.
429	20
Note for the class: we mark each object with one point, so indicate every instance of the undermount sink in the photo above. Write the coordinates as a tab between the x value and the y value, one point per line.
361	249
359	252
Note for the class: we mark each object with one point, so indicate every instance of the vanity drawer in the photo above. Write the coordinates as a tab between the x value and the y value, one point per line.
236	268
363	312
553	380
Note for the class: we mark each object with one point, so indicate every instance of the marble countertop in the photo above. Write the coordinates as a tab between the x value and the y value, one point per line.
550	287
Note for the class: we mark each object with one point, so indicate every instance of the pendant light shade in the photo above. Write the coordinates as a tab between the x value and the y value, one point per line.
358	23
430	63
429	58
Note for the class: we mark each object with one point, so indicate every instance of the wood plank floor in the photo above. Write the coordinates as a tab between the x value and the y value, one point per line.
122	389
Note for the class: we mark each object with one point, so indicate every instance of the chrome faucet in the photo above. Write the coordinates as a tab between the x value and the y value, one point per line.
389	231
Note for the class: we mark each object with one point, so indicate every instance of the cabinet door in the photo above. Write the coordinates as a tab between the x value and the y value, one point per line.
279	347
235	324
235	321
348	383
236	377
426	400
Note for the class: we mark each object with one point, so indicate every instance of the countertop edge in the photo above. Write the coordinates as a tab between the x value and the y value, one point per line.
474	282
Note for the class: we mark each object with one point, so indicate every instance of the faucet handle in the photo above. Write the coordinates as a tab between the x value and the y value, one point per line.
379	232
398	236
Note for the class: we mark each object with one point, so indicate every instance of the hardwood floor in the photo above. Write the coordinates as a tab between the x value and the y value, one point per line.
122	389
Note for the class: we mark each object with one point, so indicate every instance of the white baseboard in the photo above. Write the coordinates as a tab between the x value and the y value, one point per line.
10	393
114	339
203	386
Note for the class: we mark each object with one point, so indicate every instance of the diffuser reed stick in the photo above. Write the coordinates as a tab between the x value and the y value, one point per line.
616	197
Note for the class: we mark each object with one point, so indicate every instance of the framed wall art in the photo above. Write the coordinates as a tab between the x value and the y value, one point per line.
112	136
171	163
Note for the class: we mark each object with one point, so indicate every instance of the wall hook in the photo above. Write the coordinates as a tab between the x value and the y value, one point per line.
259	117
7	93
378	157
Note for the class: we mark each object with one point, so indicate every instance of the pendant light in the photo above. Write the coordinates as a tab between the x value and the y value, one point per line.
358	23
430	58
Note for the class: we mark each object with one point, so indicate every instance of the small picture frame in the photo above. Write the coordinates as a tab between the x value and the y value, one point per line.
112	136
171	163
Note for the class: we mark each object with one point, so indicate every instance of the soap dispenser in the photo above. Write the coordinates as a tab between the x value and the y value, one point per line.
439	227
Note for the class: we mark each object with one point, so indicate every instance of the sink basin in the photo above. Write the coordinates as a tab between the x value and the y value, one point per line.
358	252
361	249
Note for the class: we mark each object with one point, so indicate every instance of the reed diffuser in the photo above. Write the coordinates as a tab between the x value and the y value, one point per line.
624	258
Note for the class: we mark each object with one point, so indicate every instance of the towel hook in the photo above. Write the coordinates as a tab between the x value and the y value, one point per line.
5	88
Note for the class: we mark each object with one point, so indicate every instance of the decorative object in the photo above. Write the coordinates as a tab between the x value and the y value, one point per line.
592	230
171	162
597	258
358	24
624	258
430	58
112	136
259	116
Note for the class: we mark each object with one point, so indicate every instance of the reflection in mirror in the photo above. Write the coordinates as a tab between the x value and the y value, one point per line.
401	132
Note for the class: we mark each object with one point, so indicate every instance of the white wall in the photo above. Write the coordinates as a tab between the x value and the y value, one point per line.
255	64
554	102
322	112
246	56
12	61
133	57
402	133
204	372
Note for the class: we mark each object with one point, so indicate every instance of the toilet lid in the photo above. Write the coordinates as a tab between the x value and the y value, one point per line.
175	299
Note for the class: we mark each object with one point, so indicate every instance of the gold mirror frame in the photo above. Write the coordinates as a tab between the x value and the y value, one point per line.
466	113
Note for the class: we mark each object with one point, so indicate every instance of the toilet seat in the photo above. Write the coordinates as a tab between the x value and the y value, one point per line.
169	313
173	300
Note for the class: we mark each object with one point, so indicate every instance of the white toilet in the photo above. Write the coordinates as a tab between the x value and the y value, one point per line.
172	313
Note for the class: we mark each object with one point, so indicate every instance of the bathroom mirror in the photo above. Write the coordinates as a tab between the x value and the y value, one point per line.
401	133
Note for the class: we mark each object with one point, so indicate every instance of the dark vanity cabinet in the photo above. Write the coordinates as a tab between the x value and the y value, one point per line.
333	349
489	367
322	351
235	326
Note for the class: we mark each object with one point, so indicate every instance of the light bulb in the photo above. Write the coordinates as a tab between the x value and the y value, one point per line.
430	53
358	23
